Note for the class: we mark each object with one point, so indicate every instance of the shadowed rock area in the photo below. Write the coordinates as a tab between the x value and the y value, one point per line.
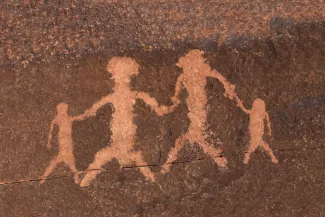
56	52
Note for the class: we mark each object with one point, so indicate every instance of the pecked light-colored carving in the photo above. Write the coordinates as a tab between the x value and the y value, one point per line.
257	116
122	126
193	79
64	121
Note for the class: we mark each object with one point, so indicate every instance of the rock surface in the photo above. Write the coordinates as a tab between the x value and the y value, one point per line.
55	51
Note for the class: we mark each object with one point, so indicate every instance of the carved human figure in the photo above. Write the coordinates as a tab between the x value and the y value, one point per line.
257	116
193	79
122	127
64	121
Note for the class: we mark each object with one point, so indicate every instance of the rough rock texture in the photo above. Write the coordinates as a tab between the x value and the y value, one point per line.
57	51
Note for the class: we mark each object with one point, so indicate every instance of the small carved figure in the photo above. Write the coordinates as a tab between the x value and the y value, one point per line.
64	121
257	116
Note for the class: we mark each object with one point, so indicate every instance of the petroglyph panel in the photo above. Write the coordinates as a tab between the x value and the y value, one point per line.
193	79
161	109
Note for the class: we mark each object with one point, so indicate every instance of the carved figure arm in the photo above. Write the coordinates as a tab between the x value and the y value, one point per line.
160	110
94	108
54	121
241	106
229	88
175	99
268	123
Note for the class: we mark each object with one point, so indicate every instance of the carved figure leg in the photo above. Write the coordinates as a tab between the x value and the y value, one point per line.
172	156
214	153
137	158
50	168
101	158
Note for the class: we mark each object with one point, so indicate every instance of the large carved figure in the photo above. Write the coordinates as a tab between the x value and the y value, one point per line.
122	126
193	79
